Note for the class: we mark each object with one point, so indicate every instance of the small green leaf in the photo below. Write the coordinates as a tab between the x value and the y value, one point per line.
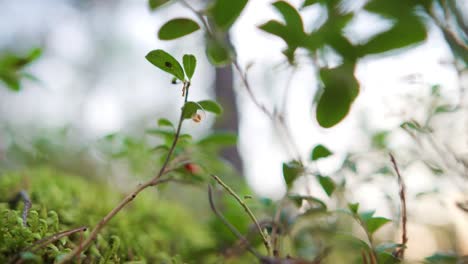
154	4
225	12
165	122
319	152
190	63
445	109
340	90
177	28
220	139
166	62
443	258
353	207
366	215
211	106
291	171
375	223
327	184
297	199
312	2
190	108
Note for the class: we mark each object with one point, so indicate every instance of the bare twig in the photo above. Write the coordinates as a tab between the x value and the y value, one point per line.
129	198
400	253
247	210
22	195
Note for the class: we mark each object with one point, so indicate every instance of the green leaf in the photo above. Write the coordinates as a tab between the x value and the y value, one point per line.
375	223
218	53
340	90
291	171
154	4
319	152
297	199
219	138
177	28
211	106
414	125
225	12
404	33
312	2
354	207
166	62
443	258
165	122
366	215
445	109
327	184
290	14
190	108
190	63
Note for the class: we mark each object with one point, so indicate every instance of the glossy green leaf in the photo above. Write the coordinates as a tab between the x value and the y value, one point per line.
190	108
319	152
166	62
154	4
327	184
163	122
375	223
442	258
219	138
177	28
218	53
340	90
211	106
190	63
291	171
225	12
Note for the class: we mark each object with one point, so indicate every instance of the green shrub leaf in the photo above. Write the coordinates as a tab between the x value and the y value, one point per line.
211	106
190	108
163	122
319	152
291	171
225	12
327	184
166	62
177	28
375	223
155	4
190	63
340	90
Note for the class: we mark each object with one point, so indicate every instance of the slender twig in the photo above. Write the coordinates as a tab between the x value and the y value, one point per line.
50	239
22	195
274	231
232	228
199	15
130	197
247	210
404	237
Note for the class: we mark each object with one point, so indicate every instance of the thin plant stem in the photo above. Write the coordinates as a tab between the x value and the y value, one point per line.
130	197
404	236
247	210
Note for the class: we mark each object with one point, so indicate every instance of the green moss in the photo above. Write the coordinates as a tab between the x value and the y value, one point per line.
151	229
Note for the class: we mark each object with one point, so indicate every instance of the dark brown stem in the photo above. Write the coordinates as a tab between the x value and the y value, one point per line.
129	198
404	237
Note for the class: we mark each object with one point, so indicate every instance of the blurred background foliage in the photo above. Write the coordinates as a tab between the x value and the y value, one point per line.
74	177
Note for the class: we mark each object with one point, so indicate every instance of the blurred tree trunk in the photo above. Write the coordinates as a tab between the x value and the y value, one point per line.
229	122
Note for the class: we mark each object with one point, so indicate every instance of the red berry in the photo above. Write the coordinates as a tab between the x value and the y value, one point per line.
192	168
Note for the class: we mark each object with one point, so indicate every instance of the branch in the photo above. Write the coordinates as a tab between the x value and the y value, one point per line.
129	198
247	210
404	238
